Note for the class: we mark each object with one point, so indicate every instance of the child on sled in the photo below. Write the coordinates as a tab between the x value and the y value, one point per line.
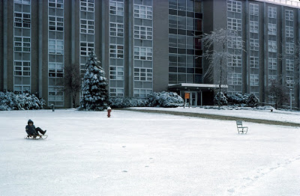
32	131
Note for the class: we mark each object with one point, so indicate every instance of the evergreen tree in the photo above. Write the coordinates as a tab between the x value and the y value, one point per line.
94	86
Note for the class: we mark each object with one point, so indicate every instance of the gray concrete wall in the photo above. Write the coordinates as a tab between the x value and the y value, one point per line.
1	45
10	46
68	44
34	46
44	50
160	45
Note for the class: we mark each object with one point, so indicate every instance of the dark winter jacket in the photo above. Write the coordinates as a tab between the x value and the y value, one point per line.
31	130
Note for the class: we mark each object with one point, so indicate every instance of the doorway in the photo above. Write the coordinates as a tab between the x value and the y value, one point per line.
192	101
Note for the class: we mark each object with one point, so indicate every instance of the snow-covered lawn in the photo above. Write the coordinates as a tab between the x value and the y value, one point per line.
140	154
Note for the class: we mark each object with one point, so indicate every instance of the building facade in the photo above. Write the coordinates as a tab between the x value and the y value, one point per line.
269	32
148	45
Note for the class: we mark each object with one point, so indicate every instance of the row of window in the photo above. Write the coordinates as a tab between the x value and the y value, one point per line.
143	74
143	53
179	22
87	31
254	79
142	32
87	6
234	79
182	5
22	45
116	8
142	11
56	52
234	61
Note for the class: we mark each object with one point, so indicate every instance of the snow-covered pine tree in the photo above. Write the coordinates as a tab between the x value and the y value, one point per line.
94	86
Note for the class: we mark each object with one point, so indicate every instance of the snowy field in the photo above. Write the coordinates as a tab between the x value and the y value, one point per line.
140	154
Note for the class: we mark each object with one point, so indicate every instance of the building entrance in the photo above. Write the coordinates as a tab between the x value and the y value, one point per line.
191	99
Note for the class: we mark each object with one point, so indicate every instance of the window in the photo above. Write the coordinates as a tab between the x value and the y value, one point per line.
254	44
234	6
22	68
22	44
290	64
56	23
142	32
116	8
254	80
253	26
87	5
289	15
272	12
272	46
235	42
55	96
141	92
254	9
272	64
235	61
142	11
289	31
22	20
116	29
234	24
142	74
143	53
22	1
56	70
116	51
56	4
87	26
234	78
56	46
116	73
116	92
254	62
289	48
272	29
86	47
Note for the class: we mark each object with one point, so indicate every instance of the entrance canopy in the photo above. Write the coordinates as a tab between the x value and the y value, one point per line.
196	87
199	93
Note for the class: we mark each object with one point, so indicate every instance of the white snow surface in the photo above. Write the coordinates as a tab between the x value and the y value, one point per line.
142	154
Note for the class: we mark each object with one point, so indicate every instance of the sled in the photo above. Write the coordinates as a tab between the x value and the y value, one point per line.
39	137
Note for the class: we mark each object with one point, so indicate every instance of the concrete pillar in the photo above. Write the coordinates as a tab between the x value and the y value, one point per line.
5	44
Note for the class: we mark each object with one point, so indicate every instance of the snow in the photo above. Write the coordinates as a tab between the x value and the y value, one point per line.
134	153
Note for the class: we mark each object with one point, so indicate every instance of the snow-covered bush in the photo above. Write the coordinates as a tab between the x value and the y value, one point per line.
237	98
252	101
161	99
24	101
220	97
165	99
120	102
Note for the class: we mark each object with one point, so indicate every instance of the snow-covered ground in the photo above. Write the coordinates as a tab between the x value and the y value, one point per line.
243	112
140	154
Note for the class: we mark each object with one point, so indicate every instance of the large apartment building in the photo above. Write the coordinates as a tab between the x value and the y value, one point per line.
147	45
269	31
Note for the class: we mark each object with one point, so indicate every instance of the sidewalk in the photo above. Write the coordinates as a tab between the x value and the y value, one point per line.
277	117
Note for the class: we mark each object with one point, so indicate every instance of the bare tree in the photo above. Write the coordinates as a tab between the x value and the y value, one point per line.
216	46
278	92
72	81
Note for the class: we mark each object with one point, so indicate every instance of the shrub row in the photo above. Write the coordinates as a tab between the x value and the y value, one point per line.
23	101
160	99
249	100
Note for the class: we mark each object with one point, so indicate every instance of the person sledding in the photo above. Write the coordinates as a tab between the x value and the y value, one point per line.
32	131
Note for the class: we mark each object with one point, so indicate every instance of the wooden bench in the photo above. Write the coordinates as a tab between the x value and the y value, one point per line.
240	128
